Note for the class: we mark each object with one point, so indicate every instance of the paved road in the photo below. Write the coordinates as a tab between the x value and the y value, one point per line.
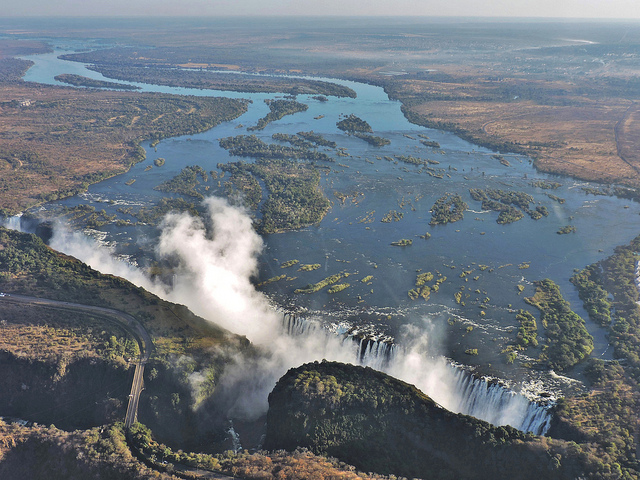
143	338
132	325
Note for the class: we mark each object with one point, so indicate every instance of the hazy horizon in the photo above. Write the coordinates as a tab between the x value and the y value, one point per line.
543	9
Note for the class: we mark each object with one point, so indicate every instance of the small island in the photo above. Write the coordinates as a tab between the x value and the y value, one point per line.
279	109
353	124
405	242
566	230
252	146
80	81
448	209
373	139
317	139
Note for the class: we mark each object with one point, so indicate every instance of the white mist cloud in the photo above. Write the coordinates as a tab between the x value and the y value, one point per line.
215	266
100	258
215	259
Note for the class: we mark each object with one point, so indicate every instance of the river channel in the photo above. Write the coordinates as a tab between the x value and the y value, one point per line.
353	239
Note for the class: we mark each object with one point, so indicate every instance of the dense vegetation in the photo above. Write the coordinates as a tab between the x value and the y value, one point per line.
279	109
295	140
568	342
12	69
566	230
353	124
381	424
41	452
510	204
373	139
595	298
430	143
448	209
104	453
317	139
615	276
252	146
528	330
243	184
185	182
545	185
80	81
422	289
192	78
294	196
603	423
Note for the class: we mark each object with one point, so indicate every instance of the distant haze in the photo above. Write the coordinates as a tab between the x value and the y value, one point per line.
623	9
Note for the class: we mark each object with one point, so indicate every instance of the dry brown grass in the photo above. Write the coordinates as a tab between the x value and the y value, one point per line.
69	134
577	138
45	334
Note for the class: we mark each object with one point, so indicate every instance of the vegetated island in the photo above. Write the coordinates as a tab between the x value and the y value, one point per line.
252	146
279	109
568	341
203	79
294	200
81	81
382	424
566	230
354	124
448	208
185	182
295	140
317	139
510	204
373	139
422	288
404	242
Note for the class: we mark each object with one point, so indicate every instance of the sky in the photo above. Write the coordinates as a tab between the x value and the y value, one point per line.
623	9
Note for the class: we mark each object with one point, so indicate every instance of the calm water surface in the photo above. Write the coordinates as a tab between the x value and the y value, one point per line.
353	239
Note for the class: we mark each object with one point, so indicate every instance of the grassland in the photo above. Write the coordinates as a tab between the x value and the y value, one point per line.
65	139
519	88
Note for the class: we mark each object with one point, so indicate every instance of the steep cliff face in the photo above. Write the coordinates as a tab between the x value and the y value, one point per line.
80	393
381	424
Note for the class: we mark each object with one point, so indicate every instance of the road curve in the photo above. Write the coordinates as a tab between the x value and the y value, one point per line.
132	325
145	343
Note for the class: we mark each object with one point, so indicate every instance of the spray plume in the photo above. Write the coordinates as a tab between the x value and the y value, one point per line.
216	259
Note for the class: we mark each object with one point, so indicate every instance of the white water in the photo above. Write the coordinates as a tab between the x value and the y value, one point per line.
450	386
12	223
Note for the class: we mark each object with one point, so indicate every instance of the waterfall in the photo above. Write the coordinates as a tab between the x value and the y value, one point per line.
450	386
372	352
13	223
490	401
235	438
295	325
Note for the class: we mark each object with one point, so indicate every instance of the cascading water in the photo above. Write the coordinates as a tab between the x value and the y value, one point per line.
236	446
492	402
374	353
452	387
12	223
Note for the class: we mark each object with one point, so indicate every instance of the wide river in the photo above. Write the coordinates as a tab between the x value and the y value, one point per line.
352	238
